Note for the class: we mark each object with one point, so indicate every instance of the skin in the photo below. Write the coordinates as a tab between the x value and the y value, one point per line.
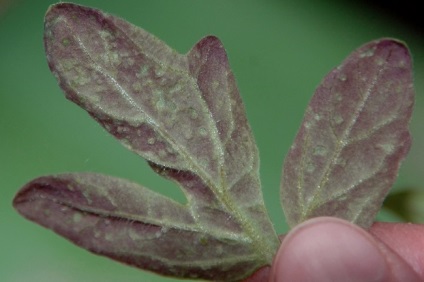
331	249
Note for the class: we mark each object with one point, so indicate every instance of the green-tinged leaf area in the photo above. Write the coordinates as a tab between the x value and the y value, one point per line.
184	115
353	137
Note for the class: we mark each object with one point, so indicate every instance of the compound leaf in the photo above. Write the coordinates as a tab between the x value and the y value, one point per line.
184	115
353	137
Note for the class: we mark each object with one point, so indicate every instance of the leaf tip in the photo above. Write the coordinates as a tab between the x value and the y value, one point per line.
397	50
24	200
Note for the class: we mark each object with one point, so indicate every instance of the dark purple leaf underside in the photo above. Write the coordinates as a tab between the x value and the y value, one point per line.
353	137
132	224
184	115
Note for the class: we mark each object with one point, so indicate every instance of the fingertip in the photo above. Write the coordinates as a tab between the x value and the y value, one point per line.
329	249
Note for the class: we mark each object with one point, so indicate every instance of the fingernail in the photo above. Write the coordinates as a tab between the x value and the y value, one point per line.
329	249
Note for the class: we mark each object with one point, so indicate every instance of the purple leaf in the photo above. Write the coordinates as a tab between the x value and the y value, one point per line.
353	137
184	115
129	223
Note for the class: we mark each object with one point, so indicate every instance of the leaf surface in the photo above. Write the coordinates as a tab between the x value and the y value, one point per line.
353	137
184	115
132	224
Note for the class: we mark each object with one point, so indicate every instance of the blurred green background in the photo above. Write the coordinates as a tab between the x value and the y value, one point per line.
279	52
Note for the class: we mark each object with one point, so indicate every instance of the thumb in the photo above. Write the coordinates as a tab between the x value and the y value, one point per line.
331	249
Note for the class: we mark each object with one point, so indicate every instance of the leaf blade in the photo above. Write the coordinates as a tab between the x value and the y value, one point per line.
353	137
99	63
132	225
